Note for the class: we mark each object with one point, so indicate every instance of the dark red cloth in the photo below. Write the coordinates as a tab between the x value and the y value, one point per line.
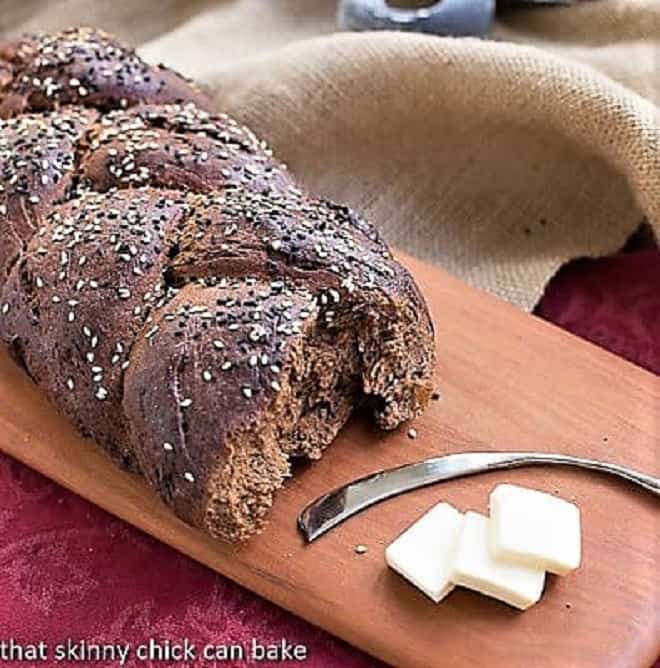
68	569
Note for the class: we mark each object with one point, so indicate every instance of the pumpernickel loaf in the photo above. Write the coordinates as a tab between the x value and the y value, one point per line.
174	291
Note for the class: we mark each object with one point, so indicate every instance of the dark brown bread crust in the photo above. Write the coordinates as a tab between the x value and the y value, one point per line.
219	370
84	288
179	147
174	292
83	67
37	169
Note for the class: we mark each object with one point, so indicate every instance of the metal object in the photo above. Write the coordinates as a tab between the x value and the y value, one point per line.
447	17
458	18
333	508
536	3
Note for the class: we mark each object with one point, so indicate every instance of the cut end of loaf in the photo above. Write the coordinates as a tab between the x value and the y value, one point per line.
361	356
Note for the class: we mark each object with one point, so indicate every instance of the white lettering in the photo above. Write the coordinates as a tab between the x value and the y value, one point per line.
224	653
282	651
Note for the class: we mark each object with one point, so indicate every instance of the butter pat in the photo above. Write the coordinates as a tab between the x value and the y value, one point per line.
475	568
534	529
422	554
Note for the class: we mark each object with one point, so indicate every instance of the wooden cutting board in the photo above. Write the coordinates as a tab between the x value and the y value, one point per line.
510	382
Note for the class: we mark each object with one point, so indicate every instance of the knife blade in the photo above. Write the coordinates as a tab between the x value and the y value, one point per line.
338	505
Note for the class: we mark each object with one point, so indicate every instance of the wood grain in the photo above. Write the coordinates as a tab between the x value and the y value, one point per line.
510	382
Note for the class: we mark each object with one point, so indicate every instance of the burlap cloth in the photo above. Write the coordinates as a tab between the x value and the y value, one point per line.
498	160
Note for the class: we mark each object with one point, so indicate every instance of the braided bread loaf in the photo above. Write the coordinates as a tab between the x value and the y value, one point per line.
175	293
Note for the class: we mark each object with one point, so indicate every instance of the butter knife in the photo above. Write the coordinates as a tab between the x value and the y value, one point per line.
337	506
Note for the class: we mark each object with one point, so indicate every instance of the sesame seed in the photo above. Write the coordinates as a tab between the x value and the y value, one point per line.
361	549
226	366
218	344
168	447
5	308
70	383
257	333
101	393
276	386
247	392
189	476
207	376
412	433
186	403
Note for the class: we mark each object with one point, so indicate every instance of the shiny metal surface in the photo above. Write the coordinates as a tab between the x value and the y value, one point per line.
458	18
446	17
337	506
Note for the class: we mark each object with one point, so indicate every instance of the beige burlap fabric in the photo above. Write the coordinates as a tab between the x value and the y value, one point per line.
498	160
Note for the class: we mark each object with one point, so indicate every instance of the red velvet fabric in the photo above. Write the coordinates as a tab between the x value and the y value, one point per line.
67	569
